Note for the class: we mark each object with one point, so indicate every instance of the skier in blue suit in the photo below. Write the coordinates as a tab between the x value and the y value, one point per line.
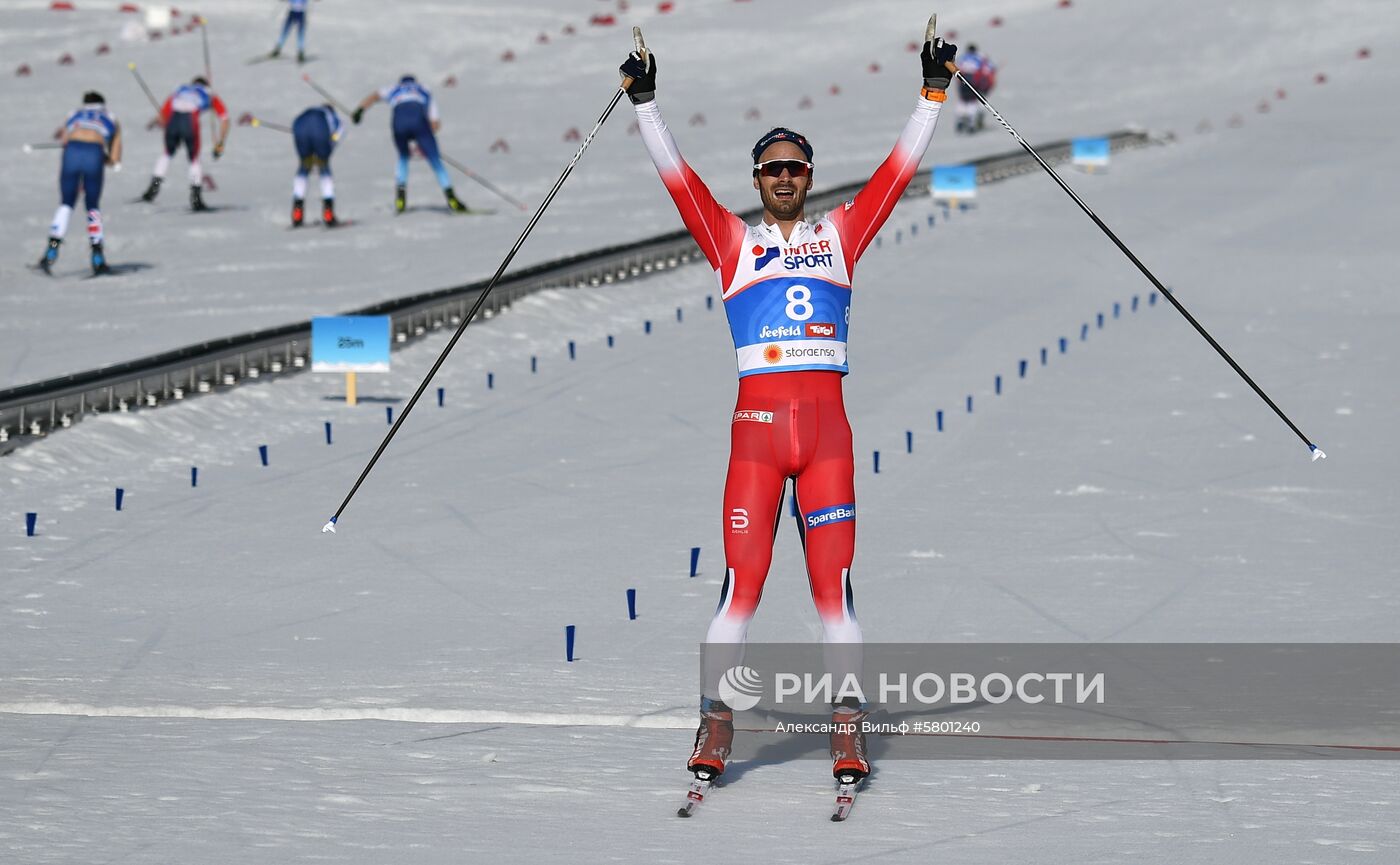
415	120
315	132
92	139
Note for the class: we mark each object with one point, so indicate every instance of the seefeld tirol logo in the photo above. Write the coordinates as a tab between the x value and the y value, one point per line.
741	688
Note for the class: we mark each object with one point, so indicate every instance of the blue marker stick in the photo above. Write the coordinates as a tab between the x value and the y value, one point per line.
694	561
328	432
121	493
940	420
31	519
631	604
877	462
998	384
262	453
442	396
1021	367
573	350
1064	345
194	476
569	643
389	415
909	441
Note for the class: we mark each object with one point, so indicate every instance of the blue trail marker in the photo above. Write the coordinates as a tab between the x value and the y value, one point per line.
534	364
909	441
262	453
680	316
1152	299
694	561
998	384
1083	333
329	440
573	350
877	462
709	301
1021	367
940	420
490	381
442	396
31	519
1100	320
194	476
646	326
389	415
1044	355
569	643
969	403
121	493
1135	303
631	604
1117	307
610	340
1064	345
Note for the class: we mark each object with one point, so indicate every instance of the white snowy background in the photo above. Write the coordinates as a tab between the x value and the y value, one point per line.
204	677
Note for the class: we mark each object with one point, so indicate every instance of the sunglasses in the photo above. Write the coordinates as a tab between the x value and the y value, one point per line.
776	167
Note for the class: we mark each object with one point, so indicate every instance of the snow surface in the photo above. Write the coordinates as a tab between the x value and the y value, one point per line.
204	677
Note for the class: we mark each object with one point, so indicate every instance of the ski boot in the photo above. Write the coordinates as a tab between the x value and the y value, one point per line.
298	212
328	213
197	200
275	53
50	255
713	740
99	260
152	191
848	761
453	204
301	57
400	198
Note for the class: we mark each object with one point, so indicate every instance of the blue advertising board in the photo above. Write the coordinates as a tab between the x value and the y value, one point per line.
954	181
1092	152
350	343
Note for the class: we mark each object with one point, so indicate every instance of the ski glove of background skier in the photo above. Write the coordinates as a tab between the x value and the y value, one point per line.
643	75
936	56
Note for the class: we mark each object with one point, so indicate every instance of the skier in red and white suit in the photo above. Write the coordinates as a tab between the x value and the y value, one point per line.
786	285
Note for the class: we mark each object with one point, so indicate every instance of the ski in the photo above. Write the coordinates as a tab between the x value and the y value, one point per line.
846	788
699	786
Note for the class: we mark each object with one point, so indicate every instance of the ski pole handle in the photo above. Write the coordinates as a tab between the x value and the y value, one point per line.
641	49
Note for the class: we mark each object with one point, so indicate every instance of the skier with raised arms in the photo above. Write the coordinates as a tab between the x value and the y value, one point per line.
91	139
786	286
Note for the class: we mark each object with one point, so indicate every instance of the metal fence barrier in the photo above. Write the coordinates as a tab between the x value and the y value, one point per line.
30	412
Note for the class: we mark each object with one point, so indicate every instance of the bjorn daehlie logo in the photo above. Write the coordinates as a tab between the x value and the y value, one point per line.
741	688
763	256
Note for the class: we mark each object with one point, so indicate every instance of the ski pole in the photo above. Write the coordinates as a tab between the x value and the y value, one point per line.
139	80
306	76
257	122
42	145
208	74
481	298
483	181
1165	292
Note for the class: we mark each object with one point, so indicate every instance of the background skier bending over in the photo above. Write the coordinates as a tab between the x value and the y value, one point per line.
414	121
315	133
786	286
179	117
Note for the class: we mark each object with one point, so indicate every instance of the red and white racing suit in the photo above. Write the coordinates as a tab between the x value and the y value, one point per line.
788	304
